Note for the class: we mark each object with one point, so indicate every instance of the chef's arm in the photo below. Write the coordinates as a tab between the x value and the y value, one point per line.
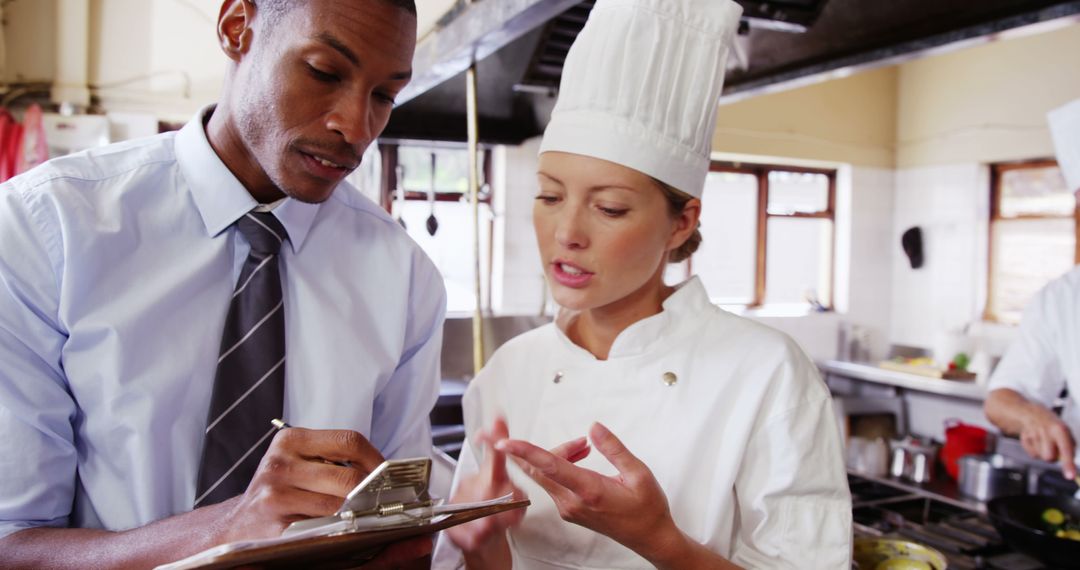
1041	432
677	550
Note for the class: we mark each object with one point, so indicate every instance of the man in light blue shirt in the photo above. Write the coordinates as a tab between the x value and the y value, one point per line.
117	267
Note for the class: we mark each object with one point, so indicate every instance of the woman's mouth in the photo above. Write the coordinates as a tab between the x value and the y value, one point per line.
570	275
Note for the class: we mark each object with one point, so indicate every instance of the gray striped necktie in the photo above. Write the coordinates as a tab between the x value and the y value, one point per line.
249	387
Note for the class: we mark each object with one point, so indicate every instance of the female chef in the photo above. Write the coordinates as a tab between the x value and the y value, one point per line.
680	436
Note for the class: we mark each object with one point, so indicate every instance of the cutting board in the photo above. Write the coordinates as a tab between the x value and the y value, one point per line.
928	371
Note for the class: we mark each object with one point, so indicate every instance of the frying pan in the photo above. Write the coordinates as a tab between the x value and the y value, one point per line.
1018	518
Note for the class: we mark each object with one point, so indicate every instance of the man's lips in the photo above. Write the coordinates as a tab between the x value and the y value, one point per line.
331	161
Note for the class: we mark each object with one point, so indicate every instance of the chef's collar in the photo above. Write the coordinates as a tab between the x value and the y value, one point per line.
219	196
685	305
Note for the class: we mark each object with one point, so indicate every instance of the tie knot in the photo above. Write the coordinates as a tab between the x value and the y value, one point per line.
263	231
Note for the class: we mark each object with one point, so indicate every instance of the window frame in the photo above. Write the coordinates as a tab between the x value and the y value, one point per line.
761	172
997	172
389	153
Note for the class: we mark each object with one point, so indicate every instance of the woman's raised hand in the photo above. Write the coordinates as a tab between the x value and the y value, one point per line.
630	507
491	482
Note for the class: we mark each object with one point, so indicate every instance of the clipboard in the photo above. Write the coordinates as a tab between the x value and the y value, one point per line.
391	504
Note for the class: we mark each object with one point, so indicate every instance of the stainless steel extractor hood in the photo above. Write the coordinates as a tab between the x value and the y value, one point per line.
521	44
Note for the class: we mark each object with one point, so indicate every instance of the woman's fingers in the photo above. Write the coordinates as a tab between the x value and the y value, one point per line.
613	449
551	472
573	451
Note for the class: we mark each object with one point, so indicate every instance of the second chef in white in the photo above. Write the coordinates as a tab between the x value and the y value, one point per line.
713	443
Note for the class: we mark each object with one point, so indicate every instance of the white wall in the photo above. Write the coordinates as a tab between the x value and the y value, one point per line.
951	206
957	113
29	45
865	203
518	286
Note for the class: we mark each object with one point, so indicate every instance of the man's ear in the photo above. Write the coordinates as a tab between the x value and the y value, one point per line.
234	27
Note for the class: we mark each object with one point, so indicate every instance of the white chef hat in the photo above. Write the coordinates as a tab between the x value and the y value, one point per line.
640	87
1065	130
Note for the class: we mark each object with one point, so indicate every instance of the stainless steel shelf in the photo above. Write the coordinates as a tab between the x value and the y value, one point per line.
967	390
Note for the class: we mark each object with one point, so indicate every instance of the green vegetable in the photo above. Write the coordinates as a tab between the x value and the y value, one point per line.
961	361
1053	516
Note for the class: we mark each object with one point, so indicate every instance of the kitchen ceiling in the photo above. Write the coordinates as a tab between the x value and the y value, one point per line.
782	44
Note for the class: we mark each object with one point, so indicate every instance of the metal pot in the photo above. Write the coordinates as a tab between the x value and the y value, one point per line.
913	460
986	476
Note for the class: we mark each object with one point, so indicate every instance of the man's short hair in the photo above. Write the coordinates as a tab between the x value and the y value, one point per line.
275	9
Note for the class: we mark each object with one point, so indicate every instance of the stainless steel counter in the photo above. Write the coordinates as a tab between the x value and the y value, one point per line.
867	372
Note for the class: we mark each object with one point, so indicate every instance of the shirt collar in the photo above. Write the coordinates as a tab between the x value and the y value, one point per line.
685	305
219	196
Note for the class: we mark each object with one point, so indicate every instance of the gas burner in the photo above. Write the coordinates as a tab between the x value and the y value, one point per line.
966	537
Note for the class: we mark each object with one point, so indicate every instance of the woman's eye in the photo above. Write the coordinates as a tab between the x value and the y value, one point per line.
322	75
613	212
547	199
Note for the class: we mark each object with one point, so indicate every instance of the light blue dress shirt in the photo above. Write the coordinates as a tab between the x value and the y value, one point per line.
116	270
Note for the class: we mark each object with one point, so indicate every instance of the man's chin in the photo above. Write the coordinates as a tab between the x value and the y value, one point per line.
310	195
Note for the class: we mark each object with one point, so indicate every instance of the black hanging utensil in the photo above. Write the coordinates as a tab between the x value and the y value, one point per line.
399	206
432	222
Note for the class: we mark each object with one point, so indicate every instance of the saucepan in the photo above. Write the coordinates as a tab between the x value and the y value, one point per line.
896	554
1020	521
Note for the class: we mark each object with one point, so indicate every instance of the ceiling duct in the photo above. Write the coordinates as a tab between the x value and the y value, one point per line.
782	44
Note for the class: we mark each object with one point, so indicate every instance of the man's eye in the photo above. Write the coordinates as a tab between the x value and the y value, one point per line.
385	98
322	75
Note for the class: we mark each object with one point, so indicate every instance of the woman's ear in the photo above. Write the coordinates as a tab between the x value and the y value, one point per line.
685	224
234	28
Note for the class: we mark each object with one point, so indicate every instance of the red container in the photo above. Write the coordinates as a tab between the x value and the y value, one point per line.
961	439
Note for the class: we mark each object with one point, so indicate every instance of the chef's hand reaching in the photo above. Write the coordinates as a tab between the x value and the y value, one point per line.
1046	437
1042	433
630	507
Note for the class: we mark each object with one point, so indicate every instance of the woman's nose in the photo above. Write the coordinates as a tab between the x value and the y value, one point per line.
570	229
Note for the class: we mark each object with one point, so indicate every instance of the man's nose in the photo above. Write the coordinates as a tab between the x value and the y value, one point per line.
352	120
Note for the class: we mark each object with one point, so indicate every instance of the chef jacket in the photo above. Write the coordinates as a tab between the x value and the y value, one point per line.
730	416
1045	356
116	270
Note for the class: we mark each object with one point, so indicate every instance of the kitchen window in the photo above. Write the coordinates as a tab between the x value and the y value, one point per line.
431	199
1033	234
768	236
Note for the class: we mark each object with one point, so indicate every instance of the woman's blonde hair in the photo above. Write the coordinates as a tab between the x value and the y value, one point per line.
677	201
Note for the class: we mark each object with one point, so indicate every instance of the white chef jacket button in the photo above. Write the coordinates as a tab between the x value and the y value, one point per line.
670	378
558	377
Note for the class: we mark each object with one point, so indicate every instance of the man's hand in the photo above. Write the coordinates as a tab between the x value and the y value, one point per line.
304	474
298	478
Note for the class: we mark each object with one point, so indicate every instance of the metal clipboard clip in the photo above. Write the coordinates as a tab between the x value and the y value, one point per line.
394	495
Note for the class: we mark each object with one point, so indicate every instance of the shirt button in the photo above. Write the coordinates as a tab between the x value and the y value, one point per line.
558	377
670	378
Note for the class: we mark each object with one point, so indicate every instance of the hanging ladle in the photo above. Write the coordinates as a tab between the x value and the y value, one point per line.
399	207
432	222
